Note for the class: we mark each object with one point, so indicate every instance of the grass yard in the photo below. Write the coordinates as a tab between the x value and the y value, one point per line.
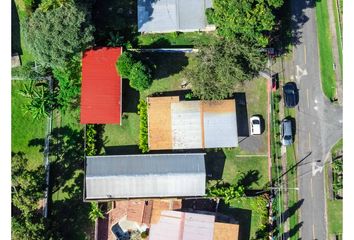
175	39
250	212
335	216
325	46
256	167
24	128
339	30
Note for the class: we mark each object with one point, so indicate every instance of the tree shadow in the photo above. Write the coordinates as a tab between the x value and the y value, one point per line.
165	64
122	150
15	30
130	98
242	216
290	19
292	232
214	163
241	114
249	178
116	17
199	205
66	151
291	210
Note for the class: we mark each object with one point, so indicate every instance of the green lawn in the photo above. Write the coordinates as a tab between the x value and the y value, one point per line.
325	46
24	128
250	212
338	33
174	39
335	216
235	165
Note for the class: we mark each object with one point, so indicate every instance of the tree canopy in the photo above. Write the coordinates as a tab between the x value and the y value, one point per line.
140	77
56	35
125	64
220	66
249	20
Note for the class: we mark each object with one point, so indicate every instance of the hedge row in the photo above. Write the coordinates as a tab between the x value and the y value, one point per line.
90	140
143	132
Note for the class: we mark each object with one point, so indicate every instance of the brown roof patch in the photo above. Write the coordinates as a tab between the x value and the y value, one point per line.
220	106
160	205
159	121
225	231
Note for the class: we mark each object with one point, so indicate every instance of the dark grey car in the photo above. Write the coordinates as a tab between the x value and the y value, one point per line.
291	95
286	132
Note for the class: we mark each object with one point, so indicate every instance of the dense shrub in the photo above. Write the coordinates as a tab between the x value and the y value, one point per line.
209	12
143	132
125	64
140	77
56	35
90	140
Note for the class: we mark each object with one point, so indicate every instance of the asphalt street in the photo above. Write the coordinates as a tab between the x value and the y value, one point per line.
318	124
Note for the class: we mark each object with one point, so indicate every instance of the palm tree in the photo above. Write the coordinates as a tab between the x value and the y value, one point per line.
115	40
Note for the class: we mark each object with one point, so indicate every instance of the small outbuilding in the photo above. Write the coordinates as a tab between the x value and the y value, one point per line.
101	89
144	176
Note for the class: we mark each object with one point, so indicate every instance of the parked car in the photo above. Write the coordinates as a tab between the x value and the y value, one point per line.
286	132
291	95
255	125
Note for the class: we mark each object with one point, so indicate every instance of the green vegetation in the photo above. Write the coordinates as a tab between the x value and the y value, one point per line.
140	77
227	192
143	129
90	140
338	33
251	213
220	66
70	33
177	39
246	20
256	166
209	12
27	189
325	47
20	135
125	63
95	212
335	216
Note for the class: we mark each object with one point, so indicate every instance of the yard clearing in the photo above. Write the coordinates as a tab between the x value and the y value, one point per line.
24	128
325	50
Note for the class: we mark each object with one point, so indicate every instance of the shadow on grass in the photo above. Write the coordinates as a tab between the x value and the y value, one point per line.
241	114
242	216
292	232
130	98
248	178
122	150
15	30
214	164
165	64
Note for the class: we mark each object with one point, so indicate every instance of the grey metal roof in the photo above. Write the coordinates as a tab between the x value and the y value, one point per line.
172	15
145	176
186	125
220	129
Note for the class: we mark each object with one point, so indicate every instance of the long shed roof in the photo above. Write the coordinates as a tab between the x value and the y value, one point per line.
101	90
145	176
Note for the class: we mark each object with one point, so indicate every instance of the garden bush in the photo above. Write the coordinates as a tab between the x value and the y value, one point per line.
125	63
140	77
143	132
209	12
90	140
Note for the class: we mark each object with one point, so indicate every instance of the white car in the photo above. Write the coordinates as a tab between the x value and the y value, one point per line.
255	125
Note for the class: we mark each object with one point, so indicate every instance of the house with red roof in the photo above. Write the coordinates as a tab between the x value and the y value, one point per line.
101	89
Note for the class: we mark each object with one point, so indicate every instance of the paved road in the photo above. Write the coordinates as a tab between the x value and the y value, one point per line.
318	125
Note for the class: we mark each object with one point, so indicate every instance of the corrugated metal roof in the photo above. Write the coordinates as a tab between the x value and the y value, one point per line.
145	176
193	124
172	15
101	88
186	125
175	225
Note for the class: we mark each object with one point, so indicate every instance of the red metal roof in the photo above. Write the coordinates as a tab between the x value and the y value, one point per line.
101	89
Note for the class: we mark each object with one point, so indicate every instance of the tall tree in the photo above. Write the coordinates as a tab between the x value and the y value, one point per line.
57	34
220	66
249	20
